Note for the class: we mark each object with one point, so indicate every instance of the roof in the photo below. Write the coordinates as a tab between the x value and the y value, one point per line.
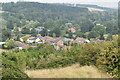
72	30
57	40
64	39
97	40
48	39
39	37
23	45
39	30
2	42
80	39
32	38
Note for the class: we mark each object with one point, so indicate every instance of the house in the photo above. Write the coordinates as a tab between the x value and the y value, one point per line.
57	47
24	37
48	39
20	48
41	41
33	39
97	41
68	24
81	40
21	39
38	30
58	42
1	43
21	45
64	39
73	30
20	29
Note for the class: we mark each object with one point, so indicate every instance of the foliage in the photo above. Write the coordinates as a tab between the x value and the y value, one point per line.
25	38
57	19
103	55
6	34
10	43
9	67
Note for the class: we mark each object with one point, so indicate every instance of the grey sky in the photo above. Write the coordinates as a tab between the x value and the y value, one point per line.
105	3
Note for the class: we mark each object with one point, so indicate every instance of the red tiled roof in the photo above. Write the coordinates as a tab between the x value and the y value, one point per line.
80	39
32	38
23	45
48	39
72	30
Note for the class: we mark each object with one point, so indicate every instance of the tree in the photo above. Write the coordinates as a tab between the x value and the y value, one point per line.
25	31
70	34
10	63
25	38
102	37
57	32
44	32
99	29
10	43
109	37
54	35
63	33
33	32
6	34
10	25
93	34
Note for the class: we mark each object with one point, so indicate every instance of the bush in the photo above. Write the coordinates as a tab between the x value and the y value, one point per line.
10	68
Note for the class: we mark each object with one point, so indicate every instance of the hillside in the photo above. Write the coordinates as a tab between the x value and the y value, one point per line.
42	12
51	16
85	5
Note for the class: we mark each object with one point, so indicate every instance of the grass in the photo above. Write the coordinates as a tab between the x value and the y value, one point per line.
74	71
3	50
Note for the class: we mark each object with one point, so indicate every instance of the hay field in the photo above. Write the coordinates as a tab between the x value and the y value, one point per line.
74	71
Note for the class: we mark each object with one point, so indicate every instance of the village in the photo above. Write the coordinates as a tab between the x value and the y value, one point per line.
27	40
41	39
57	43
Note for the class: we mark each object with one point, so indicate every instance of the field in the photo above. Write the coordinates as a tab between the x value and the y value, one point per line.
95	9
74	71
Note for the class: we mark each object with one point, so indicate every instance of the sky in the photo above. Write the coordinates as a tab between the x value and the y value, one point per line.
104	3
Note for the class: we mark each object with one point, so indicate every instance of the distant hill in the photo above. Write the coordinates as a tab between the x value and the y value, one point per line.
85	5
51	16
42	12
22	6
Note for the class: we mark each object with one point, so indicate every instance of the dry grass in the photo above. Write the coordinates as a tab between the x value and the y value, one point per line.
69	72
95	9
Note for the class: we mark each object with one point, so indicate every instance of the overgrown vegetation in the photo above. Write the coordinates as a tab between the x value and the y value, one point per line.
103	55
